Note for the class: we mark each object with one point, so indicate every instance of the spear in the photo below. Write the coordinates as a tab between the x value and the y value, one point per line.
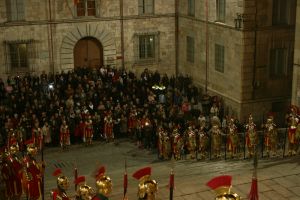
125	181
75	176
253	195
171	184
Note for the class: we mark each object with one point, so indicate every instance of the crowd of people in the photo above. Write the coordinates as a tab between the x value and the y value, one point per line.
155	111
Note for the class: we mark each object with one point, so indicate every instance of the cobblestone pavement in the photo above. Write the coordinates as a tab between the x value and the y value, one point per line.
278	178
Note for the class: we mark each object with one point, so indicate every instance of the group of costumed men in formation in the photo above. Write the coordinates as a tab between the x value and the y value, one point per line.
27	176
199	139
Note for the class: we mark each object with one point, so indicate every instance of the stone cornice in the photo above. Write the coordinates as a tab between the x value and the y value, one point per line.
85	19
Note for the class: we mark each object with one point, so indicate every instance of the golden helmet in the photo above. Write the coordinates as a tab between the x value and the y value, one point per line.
14	148
222	186
103	183
62	181
31	148
84	192
147	188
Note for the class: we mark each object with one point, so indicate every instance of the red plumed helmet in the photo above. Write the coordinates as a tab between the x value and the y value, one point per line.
100	172
142	173
220	182
79	180
57	172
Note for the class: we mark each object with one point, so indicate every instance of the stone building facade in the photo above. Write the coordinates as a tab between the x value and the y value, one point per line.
241	50
51	29
296	74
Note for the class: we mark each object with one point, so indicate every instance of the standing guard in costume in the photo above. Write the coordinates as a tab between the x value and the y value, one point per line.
160	142
251	136
37	135
88	130
62	186
294	129
166	145
108	127
33	173
16	172
191	142
203	139
216	139
84	192
177	144
103	185
232	138
270	140
147	188
4	172
64	135
132	122
222	186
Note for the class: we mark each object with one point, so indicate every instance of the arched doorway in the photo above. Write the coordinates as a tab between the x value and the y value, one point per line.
88	52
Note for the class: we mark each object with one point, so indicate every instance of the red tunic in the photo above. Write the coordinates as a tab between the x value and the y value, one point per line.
15	177
108	127
33	183
64	135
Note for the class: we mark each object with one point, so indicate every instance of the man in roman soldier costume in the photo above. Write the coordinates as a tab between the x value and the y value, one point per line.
191	142
203	139
166	145
64	135
84	192
177	144
160	142
232	138
88	130
33	173
103	185
37	135
216	137
132	120
16	172
108	127
251	136
147	188
5	170
222	186
270	136
294	129
62	186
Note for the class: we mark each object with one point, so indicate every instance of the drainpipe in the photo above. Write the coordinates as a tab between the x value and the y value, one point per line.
176	37
254	54
51	54
207	46
122	33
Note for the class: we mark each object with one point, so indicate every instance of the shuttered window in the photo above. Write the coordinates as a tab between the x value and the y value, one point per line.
15	10
146	6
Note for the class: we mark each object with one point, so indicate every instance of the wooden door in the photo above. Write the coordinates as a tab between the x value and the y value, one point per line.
88	52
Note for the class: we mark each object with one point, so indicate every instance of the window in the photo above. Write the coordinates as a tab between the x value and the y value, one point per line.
190	48
280	11
15	10
86	8
191	7
146	47
221	10
146	7
18	55
219	58
278	63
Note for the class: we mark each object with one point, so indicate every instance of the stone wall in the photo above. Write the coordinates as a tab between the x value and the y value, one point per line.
296	73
